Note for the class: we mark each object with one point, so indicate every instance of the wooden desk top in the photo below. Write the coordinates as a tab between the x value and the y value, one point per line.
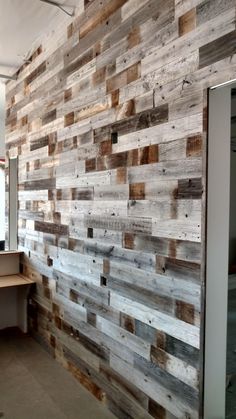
10	252
14	281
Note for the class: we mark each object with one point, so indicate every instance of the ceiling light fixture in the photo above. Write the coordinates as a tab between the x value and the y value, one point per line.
5	76
54	3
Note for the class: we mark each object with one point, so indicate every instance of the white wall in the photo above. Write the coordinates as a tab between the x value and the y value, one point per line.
218	202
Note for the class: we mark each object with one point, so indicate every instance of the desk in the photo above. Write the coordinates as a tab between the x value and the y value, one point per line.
14	291
14	281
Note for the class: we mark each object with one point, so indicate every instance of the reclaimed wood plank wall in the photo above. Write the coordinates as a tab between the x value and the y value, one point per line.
109	123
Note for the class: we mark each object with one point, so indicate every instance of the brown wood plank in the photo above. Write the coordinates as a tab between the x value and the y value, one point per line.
187	22
51	228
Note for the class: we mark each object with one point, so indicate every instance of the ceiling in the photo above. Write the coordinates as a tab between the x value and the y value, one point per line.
21	23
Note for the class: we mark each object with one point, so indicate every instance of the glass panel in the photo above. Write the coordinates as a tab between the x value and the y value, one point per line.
2	205
13	203
2	166
231	329
8	175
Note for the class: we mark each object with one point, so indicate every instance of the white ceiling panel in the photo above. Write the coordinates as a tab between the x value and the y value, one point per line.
21	23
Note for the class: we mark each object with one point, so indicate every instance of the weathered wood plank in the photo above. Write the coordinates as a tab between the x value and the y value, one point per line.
217	50
140	121
176	328
187	22
51	228
153	388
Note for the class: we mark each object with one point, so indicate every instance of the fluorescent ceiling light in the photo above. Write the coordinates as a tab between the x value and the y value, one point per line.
60	6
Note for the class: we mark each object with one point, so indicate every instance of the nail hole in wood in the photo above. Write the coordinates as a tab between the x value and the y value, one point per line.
90	233
103	280
114	137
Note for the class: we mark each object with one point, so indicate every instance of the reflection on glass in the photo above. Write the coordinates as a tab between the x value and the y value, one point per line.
2	204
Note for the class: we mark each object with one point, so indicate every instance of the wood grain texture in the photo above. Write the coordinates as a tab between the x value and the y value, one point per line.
187	22
108	120
14	281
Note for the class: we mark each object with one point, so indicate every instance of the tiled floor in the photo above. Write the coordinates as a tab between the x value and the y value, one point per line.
34	386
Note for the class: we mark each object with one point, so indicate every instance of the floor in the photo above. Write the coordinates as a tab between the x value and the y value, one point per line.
231	399
34	386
